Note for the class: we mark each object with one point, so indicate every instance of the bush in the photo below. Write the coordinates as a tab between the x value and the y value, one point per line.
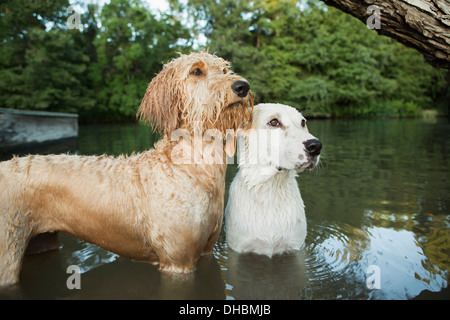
391	109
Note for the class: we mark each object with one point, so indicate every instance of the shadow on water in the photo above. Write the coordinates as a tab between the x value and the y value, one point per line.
379	198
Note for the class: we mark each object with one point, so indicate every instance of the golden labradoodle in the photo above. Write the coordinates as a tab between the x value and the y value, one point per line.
164	206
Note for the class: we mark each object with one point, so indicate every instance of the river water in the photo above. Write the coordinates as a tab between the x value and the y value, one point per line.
378	213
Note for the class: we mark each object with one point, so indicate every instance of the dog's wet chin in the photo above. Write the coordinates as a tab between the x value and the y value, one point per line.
242	102
238	104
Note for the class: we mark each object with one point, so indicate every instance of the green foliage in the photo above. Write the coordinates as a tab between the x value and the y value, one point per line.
100	71
390	108
40	69
131	45
319	59
301	53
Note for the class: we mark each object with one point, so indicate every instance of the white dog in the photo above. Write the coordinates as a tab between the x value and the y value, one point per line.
265	212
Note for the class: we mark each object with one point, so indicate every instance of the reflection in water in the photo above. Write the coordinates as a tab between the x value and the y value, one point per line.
85	255
126	279
344	256
44	277
255	276
380	197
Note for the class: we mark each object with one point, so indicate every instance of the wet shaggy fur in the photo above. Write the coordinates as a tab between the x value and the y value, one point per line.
146	206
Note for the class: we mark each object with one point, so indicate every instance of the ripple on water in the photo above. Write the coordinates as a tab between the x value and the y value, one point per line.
333	252
335	263
338	257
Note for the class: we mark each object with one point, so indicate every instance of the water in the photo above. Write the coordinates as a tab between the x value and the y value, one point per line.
378	210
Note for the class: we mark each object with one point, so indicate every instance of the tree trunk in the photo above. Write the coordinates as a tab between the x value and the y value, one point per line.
420	24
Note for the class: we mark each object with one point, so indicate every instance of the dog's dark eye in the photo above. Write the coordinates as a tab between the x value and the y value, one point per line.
197	72
274	123
303	123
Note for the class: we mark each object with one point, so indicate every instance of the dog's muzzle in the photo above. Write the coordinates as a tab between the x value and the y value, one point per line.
312	148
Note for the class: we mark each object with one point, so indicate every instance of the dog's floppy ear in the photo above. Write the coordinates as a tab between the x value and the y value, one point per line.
162	101
232	136
246	125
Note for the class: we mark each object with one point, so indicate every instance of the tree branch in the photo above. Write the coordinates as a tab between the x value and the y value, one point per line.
421	24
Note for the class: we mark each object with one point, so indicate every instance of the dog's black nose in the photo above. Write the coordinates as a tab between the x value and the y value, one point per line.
241	88
313	147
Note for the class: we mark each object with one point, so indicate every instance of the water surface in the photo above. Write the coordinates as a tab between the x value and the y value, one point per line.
378	207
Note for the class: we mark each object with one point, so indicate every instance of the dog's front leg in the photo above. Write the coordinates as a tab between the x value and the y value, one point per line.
15	233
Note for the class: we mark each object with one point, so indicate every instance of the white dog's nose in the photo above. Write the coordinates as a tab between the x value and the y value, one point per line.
313	147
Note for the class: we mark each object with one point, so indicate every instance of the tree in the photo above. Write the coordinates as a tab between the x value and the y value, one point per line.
41	65
317	58
130	47
301	53
420	24
99	70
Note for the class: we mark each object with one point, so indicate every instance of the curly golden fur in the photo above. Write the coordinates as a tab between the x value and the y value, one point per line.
146	206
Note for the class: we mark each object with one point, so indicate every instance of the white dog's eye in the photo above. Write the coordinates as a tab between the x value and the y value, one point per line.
274	123
303	123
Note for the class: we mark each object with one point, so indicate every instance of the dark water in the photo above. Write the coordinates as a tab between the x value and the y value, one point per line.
378	208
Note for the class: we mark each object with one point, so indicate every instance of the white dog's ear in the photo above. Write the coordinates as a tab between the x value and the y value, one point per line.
162	102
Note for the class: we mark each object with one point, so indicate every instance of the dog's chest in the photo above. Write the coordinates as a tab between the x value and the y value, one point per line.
204	189
273	208
277	216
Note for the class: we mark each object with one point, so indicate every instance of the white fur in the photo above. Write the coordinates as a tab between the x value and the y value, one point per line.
265	213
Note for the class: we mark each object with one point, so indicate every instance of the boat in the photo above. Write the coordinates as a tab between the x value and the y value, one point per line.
24	130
